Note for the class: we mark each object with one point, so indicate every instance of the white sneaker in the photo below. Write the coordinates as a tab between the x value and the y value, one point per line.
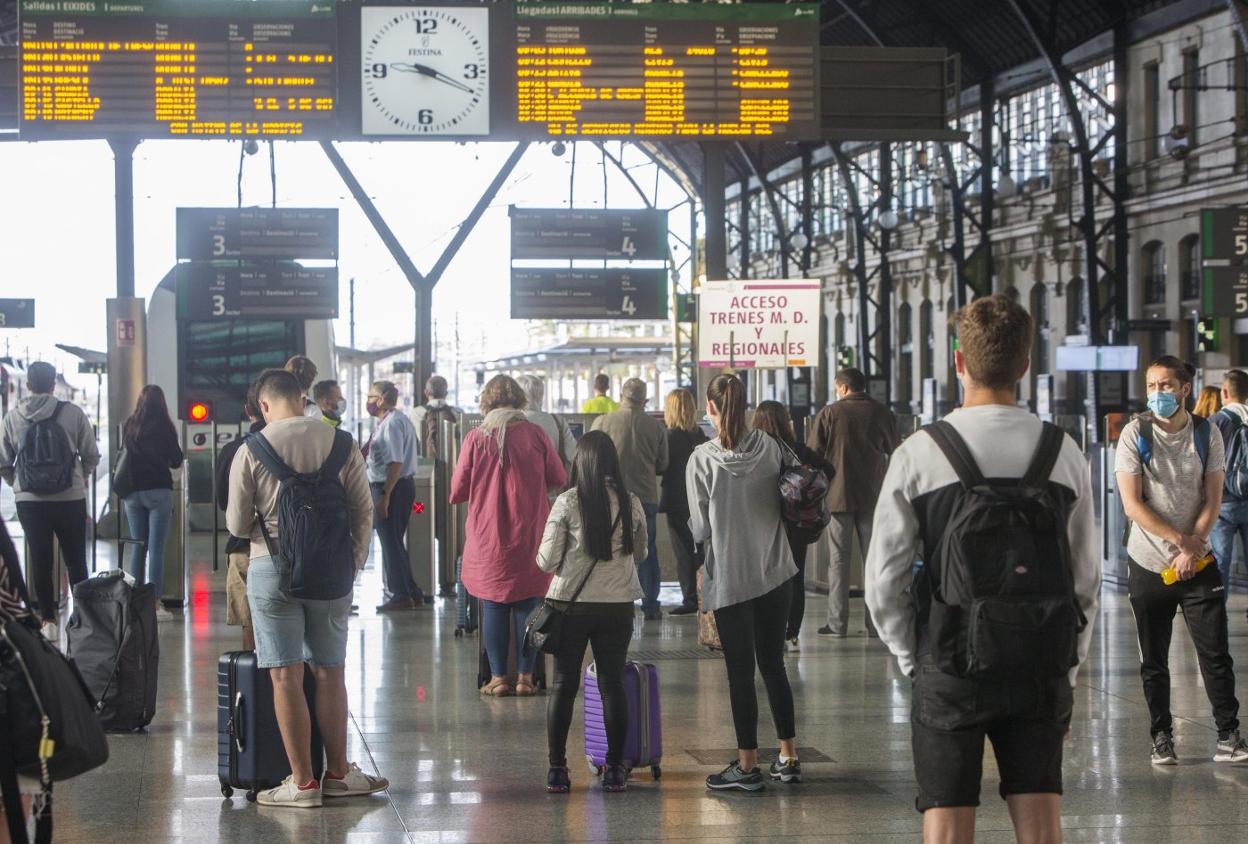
289	794
52	632
355	783
791	646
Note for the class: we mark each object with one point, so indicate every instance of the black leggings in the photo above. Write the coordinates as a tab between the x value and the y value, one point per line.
609	628
67	521
756	628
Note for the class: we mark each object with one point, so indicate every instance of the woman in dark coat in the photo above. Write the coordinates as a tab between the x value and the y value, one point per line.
683	436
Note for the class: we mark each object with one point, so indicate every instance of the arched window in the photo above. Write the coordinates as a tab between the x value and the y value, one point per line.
927	336
1153	265
1076	306
1189	267
905	356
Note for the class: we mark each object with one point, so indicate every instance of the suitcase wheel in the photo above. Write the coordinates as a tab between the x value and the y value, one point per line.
251	796
459	632
656	772
227	792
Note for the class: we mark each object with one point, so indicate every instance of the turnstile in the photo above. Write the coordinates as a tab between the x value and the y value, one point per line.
420	530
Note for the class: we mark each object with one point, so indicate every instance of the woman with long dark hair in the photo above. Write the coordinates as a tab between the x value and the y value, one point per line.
771	417
734	502
152	449
596	534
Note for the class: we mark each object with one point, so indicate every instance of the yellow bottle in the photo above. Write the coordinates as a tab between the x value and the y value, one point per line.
1170	577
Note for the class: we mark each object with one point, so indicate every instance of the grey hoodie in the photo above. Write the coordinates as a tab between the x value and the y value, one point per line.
75	423
734	506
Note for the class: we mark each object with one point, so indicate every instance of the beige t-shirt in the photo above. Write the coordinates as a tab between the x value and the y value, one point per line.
1173	485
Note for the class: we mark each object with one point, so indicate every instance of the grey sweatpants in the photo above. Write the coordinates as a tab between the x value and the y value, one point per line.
841	532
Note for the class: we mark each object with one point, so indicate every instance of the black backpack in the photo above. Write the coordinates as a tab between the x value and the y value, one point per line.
47	461
1236	483
313	522
1002	596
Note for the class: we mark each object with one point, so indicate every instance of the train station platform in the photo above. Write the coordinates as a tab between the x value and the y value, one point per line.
467	769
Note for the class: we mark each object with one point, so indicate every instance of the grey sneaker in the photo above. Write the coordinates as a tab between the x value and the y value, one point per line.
1163	749
734	778
788	772
1231	748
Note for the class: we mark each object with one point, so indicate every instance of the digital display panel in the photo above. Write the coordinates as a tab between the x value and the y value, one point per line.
567	233
588	294
170	69
211	234
661	70
266	291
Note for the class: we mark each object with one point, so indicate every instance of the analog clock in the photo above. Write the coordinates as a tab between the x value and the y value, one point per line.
426	70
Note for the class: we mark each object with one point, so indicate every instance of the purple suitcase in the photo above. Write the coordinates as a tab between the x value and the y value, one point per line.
643	745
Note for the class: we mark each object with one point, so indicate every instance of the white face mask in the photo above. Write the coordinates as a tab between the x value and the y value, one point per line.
341	407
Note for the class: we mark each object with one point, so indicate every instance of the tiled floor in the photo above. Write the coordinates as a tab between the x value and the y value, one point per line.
465	769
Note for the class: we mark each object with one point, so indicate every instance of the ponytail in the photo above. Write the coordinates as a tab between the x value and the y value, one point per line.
727	393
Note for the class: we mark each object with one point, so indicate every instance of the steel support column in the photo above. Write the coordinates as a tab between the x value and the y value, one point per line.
713	184
123	186
1116	328
883	333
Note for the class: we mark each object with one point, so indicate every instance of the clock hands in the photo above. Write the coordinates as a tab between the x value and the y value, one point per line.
432	73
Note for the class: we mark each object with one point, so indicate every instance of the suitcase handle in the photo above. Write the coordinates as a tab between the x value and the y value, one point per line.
237	730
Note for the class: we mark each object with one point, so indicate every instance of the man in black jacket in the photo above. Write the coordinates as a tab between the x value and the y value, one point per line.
237	551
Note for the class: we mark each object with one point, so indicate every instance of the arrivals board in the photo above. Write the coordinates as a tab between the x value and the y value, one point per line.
267	291
588	294
567	233
1224	233
212	234
665	70
173	69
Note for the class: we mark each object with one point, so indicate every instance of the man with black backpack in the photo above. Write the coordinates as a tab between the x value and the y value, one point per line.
47	454
998	618
298	490
1170	469
1232	423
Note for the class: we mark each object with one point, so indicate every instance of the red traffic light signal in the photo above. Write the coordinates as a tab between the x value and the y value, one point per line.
198	411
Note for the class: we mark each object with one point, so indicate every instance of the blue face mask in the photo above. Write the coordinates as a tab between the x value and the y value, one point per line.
1164	405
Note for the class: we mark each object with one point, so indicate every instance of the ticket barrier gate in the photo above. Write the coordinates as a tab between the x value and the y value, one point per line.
420	530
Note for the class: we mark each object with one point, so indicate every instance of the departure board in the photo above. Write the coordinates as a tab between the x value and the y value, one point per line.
663	70
170	68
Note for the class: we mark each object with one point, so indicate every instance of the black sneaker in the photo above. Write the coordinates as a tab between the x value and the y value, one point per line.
684	609
826	630
788	772
614	778
1163	749
733	778
558	781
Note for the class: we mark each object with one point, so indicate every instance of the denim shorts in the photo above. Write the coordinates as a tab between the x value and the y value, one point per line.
291	630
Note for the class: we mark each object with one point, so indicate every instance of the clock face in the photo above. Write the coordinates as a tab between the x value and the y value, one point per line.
426	70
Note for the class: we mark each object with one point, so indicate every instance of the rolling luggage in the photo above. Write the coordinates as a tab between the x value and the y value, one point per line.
483	661
250	754
467	613
643	744
113	640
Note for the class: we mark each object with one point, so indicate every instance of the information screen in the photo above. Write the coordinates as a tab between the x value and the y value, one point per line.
588	294
698	70
165	68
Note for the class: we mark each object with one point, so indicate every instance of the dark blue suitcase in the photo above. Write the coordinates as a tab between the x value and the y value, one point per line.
250	754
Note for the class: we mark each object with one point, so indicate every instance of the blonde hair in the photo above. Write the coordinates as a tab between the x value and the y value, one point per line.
679	411
1209	403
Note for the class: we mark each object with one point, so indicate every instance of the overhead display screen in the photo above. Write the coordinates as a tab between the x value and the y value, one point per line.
691	70
170	69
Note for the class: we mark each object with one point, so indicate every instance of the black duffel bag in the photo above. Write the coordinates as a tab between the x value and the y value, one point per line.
44	699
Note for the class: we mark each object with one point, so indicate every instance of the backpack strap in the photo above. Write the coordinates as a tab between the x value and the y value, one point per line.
1049	449
263	451
951	444
1144	439
57	410
338	455
1200	433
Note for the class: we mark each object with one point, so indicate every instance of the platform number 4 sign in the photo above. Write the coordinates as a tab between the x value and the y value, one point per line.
628	306
628	247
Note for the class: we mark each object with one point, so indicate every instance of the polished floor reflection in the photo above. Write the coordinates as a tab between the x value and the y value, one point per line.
467	769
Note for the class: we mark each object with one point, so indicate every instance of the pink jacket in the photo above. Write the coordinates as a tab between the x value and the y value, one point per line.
507	510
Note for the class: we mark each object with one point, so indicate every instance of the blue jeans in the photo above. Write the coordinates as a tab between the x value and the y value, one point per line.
648	571
497	623
149	513
1232	522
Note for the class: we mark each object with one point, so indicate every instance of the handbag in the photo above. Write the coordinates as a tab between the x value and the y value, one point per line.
123	474
544	629
803	492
